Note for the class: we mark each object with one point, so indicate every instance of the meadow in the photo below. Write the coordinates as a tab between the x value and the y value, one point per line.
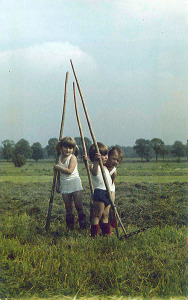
62	264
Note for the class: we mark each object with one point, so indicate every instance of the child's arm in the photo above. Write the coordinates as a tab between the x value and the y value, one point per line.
113	176
95	167
71	167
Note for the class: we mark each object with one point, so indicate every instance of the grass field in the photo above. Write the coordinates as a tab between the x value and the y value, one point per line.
67	265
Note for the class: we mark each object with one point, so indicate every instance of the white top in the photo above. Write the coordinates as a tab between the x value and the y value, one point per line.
69	183
98	182
113	184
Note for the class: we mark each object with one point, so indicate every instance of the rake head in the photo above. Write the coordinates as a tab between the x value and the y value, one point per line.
126	236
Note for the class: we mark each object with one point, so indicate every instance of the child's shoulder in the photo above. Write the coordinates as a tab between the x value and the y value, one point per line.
72	156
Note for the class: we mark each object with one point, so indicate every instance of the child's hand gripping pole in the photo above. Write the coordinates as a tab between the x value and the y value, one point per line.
100	161
57	158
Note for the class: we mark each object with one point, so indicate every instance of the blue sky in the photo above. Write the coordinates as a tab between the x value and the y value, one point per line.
130	57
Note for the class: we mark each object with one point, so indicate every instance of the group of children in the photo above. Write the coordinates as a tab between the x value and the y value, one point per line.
71	186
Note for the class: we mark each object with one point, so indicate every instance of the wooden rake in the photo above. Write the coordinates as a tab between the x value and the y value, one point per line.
84	149
83	142
57	158
117	217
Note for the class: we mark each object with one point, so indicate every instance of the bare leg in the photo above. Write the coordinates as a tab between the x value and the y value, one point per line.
106	214
105	226
111	213
68	200
77	196
98	209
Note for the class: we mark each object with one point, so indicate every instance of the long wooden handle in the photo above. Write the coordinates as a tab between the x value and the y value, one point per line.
100	161
57	158
64	107
83	141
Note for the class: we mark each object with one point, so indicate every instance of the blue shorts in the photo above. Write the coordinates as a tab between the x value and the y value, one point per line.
101	196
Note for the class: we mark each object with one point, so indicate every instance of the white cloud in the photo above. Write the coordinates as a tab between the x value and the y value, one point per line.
129	55
32	87
122	126
151	19
172	122
154	9
48	55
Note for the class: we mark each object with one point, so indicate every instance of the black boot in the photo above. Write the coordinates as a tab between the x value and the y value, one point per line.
70	221
82	221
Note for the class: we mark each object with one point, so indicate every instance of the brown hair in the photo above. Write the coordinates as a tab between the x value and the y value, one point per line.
116	149
103	149
67	141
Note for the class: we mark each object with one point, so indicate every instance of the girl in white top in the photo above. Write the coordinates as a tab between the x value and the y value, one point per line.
101	201
115	155
70	182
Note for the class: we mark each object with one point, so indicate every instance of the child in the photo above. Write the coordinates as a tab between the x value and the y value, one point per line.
115	155
70	182
101	201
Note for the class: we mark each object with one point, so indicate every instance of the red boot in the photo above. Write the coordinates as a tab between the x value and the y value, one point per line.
113	223
94	230
106	229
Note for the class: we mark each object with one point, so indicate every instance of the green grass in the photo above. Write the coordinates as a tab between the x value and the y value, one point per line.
146	265
161	172
65	265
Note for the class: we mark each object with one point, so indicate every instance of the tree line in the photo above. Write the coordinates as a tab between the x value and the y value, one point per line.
19	152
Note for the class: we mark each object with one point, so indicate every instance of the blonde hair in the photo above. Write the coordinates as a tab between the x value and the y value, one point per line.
67	141
116	149
103	149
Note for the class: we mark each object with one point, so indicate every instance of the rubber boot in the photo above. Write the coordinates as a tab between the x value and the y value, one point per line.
106	229
113	223
94	230
82	221
70	221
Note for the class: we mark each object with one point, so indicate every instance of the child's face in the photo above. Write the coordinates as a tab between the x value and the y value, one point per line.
66	150
113	160
104	158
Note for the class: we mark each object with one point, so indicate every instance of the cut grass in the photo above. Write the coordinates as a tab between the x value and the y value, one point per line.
152	172
71	265
128	179
152	263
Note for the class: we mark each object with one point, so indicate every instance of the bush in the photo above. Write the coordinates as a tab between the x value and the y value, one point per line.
19	160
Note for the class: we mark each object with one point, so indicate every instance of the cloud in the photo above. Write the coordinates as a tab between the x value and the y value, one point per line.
48	54
32	87
122	126
172	122
151	19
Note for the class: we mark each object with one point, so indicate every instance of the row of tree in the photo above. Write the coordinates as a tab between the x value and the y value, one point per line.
145	149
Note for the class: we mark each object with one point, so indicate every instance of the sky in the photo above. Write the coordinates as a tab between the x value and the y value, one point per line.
130	58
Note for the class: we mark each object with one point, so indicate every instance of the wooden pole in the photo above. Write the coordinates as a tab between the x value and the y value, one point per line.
100	161
83	141
57	158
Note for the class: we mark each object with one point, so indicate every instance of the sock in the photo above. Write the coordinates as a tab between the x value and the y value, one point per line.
106	230
94	230
113	223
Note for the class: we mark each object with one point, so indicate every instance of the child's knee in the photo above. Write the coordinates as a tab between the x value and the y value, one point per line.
97	214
